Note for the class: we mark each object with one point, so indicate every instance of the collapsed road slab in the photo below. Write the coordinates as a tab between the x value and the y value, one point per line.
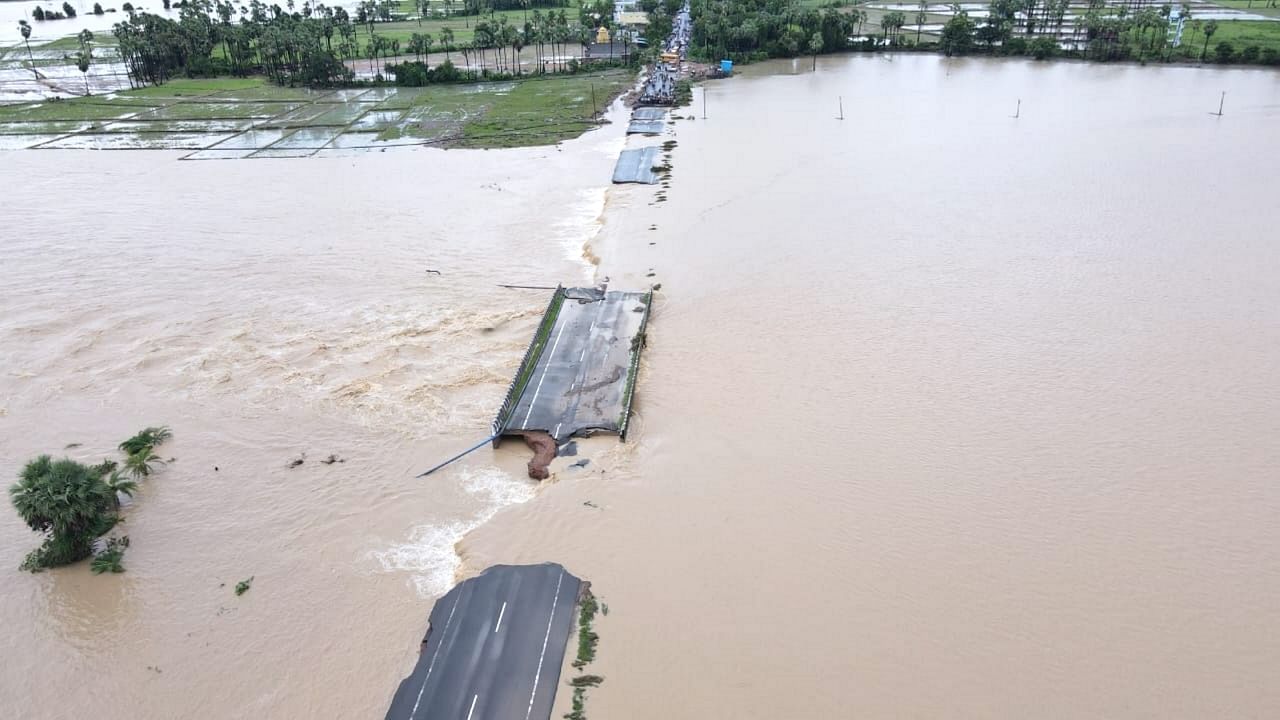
649	113
644	127
636	166
578	376
493	648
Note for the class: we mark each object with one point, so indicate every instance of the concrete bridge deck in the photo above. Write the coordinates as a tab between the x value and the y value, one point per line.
579	376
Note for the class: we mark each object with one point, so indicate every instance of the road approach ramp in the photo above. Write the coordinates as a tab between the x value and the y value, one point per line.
494	648
578	377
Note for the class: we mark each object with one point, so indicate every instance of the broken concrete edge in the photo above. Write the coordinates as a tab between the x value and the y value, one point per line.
409	693
525	370
633	369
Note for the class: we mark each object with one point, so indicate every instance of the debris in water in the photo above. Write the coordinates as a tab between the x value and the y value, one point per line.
333	459
297	461
590	504
582	463
435	272
69	446
569	449
242	587
544	451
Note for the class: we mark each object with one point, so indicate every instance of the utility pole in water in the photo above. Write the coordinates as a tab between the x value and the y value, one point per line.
1018	112
1221	101
841	108
704	103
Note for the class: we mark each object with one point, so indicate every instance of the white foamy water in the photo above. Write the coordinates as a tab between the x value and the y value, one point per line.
429	557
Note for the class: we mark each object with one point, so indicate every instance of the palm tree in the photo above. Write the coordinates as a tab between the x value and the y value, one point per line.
144	462
120	485
1210	28
68	503
26	38
921	16
446	35
148	438
84	56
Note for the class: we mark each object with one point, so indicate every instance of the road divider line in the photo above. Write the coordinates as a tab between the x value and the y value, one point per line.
550	356
474	698
501	612
545	638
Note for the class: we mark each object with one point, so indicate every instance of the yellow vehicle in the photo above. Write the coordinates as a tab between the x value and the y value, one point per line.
670	57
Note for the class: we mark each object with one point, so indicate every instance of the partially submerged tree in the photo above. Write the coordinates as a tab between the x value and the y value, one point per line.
73	505
25	28
84	56
67	502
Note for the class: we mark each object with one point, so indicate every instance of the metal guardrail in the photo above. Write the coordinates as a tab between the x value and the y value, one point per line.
531	355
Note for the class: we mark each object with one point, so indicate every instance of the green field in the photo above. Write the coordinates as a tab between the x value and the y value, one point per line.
1255	6
1240	33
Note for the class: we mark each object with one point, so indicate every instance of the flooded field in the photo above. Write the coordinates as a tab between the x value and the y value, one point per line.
943	413
228	118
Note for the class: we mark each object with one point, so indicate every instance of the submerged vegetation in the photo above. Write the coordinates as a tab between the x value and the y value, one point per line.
587	640
73	505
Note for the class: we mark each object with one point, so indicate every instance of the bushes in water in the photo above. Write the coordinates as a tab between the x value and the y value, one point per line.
416	74
73	505
67	502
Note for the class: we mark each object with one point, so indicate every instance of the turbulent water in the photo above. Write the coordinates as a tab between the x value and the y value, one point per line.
944	413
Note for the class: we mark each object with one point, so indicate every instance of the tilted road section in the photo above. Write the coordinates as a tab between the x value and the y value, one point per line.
579	374
636	166
494	648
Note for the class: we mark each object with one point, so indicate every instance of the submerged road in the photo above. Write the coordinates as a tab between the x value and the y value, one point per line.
580	380
494	648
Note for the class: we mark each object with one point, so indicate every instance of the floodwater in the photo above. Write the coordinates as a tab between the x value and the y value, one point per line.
943	414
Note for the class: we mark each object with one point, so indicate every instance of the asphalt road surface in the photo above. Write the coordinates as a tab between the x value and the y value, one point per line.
579	381
636	166
494	648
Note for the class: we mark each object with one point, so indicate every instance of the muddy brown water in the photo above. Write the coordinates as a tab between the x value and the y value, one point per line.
942	414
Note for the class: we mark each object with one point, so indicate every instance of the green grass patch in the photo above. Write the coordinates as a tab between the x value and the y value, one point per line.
1240	33
66	110
587	640
1254	6
633	369
587	637
71	43
545	111
197	87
